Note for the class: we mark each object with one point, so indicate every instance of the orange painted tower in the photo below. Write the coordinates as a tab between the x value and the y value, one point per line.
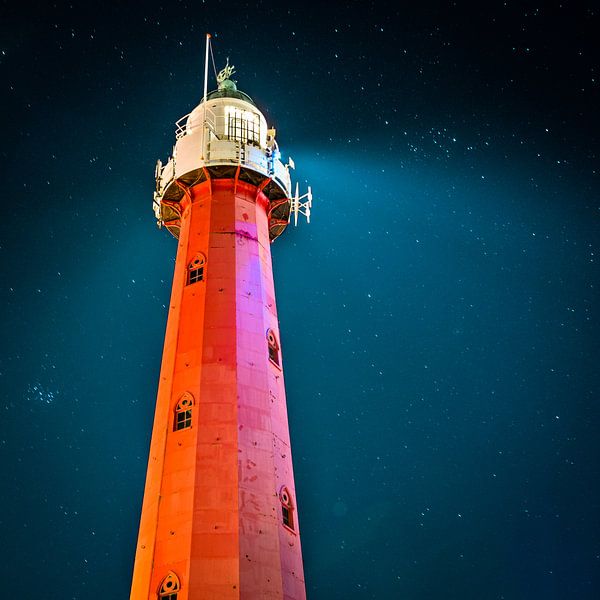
219	517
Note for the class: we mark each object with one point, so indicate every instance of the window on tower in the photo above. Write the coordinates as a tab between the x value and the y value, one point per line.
183	412
287	508
273	348
169	587
196	269
243	126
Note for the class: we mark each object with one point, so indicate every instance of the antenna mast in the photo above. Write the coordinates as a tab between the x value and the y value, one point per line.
205	90
298	207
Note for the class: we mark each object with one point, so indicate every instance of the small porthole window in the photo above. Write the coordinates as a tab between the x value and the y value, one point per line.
183	412
287	508
196	269
273	347
169	587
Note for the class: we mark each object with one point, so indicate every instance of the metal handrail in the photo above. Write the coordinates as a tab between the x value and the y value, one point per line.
221	123
180	130
181	125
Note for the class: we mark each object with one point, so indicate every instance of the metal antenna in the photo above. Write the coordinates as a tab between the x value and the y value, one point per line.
206	67
205	90
299	207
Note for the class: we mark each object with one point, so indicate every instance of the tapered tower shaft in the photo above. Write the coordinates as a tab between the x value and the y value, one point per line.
219	505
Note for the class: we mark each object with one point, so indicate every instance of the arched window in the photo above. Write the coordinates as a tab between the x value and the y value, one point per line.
287	508
183	412
273	347
169	587
196	269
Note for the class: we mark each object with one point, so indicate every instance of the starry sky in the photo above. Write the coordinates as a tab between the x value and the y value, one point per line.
439	316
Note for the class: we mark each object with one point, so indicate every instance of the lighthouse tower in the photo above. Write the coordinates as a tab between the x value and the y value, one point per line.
220	517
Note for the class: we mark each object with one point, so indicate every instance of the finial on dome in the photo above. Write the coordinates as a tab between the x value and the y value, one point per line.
223	78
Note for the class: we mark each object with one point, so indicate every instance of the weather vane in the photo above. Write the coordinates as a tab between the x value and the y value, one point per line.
226	72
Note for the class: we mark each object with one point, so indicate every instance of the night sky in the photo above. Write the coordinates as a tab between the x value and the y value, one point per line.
439	316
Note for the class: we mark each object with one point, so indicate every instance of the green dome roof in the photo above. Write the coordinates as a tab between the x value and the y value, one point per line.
229	93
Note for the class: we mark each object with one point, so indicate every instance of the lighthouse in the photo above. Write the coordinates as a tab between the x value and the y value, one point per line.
220	518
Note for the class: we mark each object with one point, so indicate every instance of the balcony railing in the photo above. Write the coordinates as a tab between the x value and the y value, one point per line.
223	127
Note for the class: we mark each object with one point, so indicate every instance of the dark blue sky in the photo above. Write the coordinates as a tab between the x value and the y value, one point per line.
439	316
